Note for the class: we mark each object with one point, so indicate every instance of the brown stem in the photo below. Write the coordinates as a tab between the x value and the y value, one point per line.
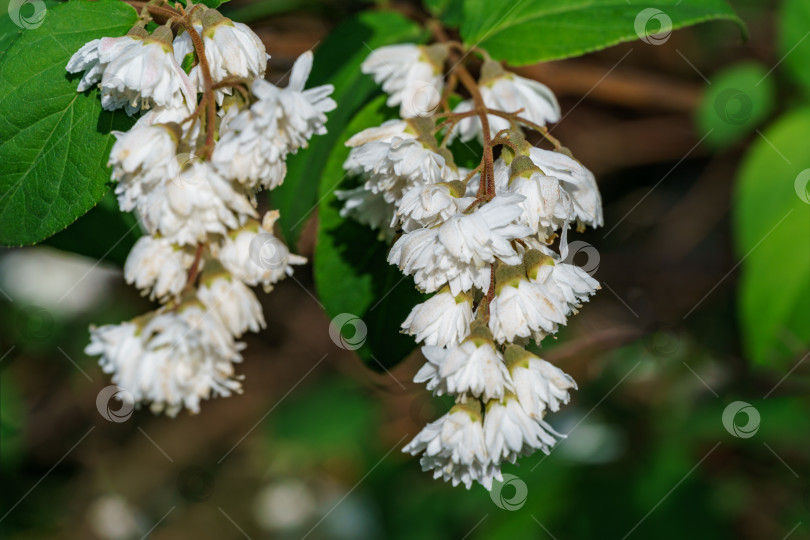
491	292
195	266
208	83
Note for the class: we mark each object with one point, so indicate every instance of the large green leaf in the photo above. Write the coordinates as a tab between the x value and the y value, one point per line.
351	272
736	102
337	62
794	43
772	222
112	231
529	31
54	143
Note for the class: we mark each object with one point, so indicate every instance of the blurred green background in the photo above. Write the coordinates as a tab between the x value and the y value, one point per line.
696	144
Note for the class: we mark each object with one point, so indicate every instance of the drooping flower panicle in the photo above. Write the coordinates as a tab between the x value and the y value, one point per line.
192	185
481	241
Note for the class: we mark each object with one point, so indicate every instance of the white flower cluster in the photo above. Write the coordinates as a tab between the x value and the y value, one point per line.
192	186
498	284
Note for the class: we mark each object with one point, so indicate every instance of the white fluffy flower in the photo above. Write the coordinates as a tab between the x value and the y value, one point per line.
165	361
510	432
429	205
546	206
136	72
411	75
141	158
392	159
568	284
453	447
367	208
233	302
508	92
254	255
443	320
539	385
198	202
522	308
459	251
231	48
576	180
158	267
474	367
254	142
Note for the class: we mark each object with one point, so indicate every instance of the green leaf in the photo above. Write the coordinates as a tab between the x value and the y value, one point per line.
736	102
337	62
794	43
772	226
526	32
351	272
451	12
54	142
112	231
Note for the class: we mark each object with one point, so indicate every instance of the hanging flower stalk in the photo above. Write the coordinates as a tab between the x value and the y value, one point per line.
211	133
481	241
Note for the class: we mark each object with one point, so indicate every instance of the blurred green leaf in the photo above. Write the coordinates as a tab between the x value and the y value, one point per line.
54	142
772	226
450	12
112	231
736	102
337	62
11	428
794	47
528	32
352	275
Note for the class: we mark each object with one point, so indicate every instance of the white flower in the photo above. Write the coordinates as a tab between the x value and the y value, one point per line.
539	385
212	329
453	447
157	266
231	48
257	257
233	302
474	367
164	361
508	92
522	308
442	320
568	284
411	75
459	252
254	142
141	158
429	205
302	113
576	180
546	206
136	72
367	208
198	202
510	432
392	160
